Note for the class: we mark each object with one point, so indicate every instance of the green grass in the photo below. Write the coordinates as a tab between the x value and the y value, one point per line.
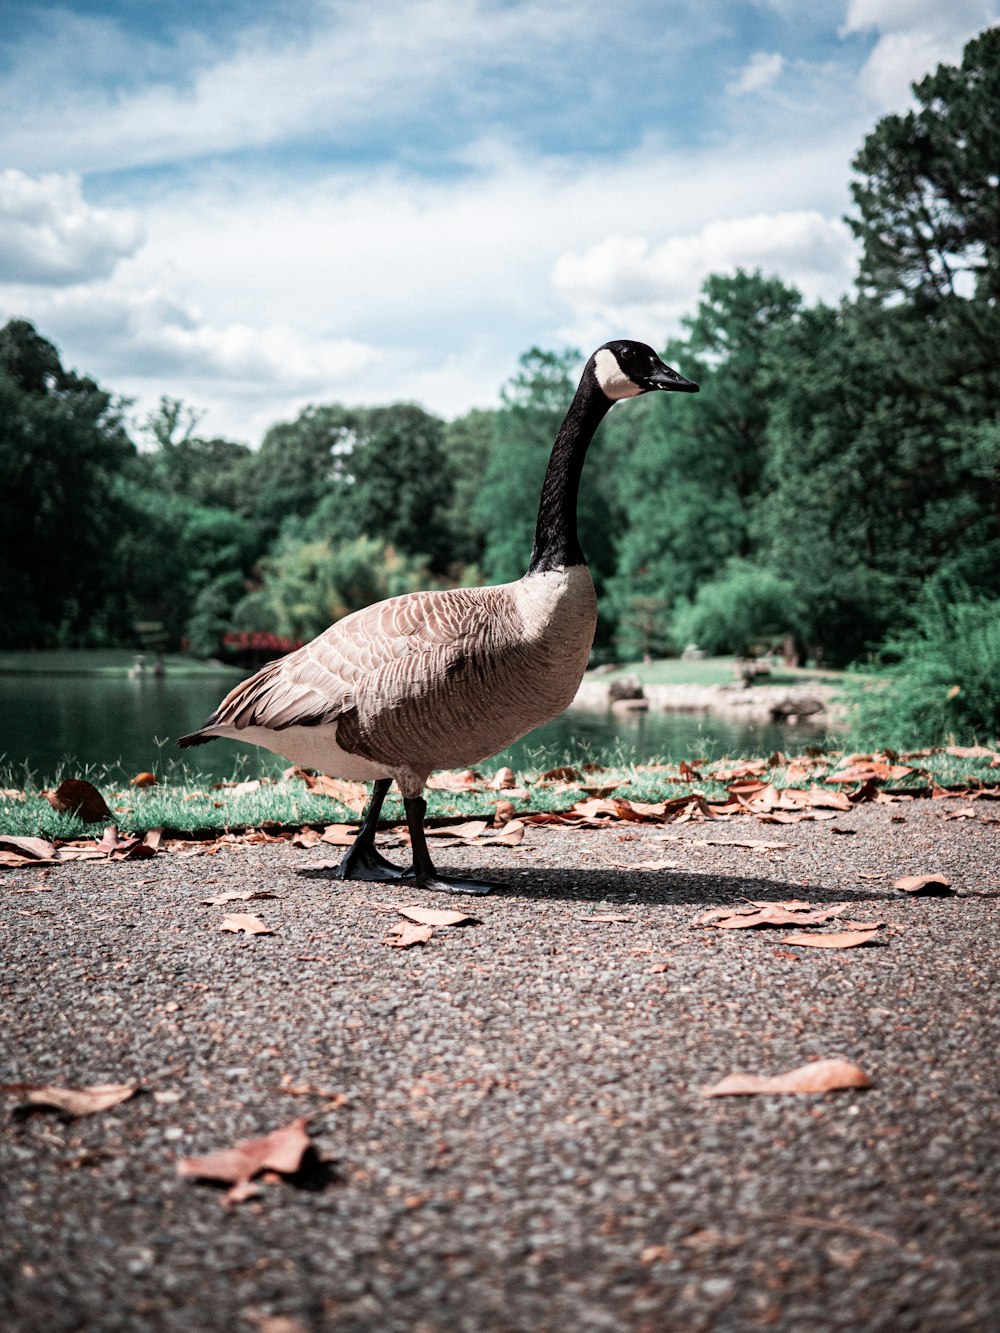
185	804
102	662
715	671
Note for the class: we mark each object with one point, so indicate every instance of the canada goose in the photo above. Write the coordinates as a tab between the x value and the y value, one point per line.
446	679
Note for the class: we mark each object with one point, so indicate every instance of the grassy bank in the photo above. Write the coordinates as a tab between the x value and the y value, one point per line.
715	671
184	805
104	662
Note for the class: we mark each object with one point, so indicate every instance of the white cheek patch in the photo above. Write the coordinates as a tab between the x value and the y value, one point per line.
612	379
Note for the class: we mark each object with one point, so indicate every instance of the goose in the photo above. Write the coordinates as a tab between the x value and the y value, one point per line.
446	679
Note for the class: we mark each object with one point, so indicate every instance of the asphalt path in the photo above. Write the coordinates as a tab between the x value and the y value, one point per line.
508	1120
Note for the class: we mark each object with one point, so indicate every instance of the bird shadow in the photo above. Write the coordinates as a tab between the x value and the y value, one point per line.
622	886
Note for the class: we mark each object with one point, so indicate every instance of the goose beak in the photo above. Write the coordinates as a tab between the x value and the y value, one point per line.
663	377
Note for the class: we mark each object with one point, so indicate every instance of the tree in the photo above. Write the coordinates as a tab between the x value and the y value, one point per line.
690	472
929	197
63	450
469	445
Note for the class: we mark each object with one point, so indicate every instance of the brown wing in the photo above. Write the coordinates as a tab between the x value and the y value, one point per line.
378	656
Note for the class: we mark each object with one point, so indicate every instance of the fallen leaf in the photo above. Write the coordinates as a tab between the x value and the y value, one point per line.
282	1151
250	925
77	1101
77	797
17	851
339	835
927	886
234	896
502	778
656	865
352	794
306	837
817	1076
843	939
564	773
455	780
144	780
606	918
403	937
503	814
510	834
791	913
434	916
467	832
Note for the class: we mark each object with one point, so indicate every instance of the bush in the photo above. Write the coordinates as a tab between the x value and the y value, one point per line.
946	681
746	609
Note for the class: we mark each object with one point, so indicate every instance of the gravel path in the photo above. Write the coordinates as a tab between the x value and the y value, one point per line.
523	1144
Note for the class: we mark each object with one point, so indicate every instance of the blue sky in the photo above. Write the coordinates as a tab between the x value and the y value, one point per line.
257	206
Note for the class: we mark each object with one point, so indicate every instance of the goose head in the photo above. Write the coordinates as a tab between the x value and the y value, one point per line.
624	369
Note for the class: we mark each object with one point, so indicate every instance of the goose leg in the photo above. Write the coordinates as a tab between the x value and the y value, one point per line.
361	860
423	871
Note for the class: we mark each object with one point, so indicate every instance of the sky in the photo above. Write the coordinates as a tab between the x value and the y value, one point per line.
257	206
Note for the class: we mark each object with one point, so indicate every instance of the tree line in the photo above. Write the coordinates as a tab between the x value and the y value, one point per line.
839	470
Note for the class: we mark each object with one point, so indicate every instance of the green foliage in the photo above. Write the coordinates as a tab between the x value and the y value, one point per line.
534	404
746	609
690	470
929	197
62	449
469	443
946	683
309	584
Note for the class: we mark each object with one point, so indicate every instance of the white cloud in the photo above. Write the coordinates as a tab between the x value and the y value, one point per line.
343	70
760	72
253	294
915	36
50	234
625	283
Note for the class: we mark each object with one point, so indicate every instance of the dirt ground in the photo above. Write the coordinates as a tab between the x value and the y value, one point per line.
508	1120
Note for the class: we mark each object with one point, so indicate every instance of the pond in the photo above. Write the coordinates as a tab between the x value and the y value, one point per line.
65	724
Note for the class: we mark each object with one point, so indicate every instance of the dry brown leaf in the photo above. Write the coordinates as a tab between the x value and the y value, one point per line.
434	916
564	773
18	851
352	794
467	832
842	939
77	797
339	835
144	780
77	1101
817	1076
510	834
403	937
503	778
503	814
249	925
455	780
865	771
791	913
282	1151
306	837
927	886
233	896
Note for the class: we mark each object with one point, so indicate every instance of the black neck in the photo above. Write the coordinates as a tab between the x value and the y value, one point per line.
556	543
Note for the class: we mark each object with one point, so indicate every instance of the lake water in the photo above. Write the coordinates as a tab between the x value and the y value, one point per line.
63	724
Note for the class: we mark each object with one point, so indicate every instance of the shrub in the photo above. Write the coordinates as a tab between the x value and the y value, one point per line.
945	682
747	608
